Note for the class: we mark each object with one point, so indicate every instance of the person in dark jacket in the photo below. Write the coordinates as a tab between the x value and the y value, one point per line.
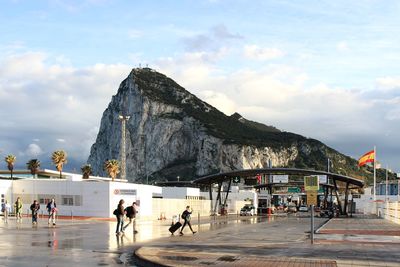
120	211
131	214
186	216
35	207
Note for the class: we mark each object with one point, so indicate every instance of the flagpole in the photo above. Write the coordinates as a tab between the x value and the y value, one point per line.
374	173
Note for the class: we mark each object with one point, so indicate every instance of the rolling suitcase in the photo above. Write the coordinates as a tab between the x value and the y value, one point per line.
175	227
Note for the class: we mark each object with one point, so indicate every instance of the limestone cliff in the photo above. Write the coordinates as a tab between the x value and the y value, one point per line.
172	133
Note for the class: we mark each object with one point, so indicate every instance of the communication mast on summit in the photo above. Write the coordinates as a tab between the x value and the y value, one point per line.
123	120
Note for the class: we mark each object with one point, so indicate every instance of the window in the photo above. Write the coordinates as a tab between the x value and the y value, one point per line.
67	200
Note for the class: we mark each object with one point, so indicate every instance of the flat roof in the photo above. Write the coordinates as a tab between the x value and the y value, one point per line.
219	177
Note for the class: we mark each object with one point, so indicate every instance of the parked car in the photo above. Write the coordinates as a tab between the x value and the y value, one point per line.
247	210
303	208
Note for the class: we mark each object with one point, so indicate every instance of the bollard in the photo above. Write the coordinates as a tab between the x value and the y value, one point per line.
72	217
312	225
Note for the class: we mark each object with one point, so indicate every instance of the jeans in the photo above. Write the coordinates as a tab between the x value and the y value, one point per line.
52	217
184	224
120	223
34	217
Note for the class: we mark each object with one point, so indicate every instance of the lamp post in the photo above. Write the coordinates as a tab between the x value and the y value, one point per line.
123	120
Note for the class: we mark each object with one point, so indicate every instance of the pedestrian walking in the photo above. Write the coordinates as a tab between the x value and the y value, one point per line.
52	210
35	207
18	209
119	213
6	209
186	215
131	215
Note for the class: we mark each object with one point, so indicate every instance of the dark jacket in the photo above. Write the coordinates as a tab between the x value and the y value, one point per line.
50	207
130	212
186	215
120	210
35	208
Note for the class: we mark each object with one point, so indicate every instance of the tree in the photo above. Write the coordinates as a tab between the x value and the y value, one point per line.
33	165
10	159
112	167
59	158
86	171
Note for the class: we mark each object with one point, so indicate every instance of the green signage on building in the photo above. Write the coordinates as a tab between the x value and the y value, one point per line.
294	190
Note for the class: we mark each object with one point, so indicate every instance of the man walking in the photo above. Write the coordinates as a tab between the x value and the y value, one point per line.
130	213
186	216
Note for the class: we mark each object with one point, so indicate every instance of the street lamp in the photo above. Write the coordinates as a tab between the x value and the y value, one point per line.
123	120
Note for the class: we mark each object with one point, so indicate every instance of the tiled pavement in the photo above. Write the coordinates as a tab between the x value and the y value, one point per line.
281	242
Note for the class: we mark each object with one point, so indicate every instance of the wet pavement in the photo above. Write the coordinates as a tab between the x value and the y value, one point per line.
274	241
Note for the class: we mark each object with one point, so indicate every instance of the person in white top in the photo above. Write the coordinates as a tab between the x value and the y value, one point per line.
6	209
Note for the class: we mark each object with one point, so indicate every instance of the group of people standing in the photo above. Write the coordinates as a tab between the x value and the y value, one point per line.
35	207
130	213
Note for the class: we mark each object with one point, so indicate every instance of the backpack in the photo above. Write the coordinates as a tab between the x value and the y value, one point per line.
183	216
3	207
115	212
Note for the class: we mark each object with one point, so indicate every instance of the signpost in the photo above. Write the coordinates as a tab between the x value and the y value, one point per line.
282	179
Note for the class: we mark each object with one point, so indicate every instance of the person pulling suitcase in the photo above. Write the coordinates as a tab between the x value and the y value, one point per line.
186	215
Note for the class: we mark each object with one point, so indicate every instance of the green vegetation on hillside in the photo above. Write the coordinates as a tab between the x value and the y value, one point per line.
236	130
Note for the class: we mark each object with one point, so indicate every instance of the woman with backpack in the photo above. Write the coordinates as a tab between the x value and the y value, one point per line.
119	213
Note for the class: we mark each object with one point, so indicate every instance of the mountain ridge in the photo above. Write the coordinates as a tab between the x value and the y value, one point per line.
173	133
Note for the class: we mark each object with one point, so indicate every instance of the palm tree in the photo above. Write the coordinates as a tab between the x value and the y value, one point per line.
86	171
59	158
33	165
10	159
112	167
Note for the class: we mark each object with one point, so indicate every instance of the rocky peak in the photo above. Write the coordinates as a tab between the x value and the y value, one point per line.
173	133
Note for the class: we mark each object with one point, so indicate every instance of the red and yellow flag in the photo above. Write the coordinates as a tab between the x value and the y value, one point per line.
367	157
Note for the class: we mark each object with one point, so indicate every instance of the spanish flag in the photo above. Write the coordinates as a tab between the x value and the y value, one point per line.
367	157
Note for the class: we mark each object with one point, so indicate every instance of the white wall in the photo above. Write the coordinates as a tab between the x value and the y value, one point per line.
180	192
98	198
5	189
144	195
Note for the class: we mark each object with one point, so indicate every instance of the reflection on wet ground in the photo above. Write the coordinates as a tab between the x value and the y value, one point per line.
94	242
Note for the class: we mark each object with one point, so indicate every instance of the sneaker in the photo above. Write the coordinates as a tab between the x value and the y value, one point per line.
194	232
117	233
135	232
54	223
180	233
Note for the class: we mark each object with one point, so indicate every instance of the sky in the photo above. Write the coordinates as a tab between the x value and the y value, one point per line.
323	69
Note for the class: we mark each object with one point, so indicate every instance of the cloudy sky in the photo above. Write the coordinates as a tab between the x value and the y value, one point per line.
324	69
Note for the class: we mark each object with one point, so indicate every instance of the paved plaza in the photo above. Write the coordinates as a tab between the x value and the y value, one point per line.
233	241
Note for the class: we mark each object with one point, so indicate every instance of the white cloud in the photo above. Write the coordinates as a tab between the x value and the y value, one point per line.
56	100
135	34
388	82
255	52
33	150
342	46
51	100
